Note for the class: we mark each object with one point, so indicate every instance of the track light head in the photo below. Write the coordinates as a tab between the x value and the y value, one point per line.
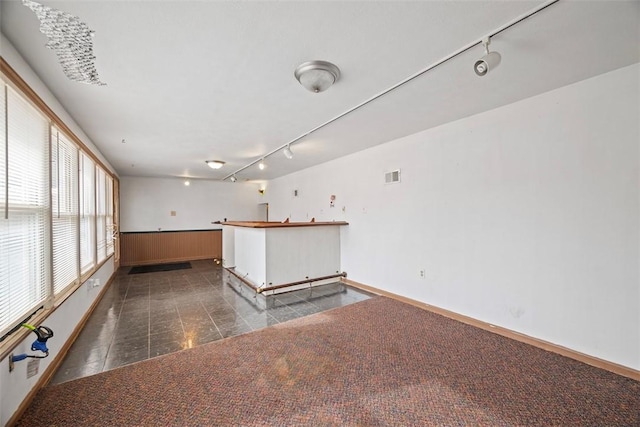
488	62
233	178
262	165
287	152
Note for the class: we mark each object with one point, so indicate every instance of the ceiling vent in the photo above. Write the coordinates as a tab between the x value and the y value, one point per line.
392	177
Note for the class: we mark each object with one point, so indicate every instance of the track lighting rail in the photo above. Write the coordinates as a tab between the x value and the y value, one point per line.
463	49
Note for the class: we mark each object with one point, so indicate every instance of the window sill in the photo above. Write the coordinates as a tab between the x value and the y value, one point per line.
12	341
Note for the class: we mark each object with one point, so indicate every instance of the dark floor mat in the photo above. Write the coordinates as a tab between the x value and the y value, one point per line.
160	267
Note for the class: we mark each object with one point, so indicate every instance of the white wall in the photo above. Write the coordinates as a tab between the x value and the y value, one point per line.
526	216
14	386
146	203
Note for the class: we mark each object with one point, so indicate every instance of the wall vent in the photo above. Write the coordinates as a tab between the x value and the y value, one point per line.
392	177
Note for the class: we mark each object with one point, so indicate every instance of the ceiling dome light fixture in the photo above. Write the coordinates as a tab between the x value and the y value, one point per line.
317	76
214	164
287	152
488	62
233	178
262	165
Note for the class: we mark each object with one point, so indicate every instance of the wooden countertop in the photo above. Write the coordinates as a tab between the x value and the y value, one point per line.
262	224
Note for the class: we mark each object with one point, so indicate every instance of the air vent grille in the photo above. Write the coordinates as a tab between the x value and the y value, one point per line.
392	177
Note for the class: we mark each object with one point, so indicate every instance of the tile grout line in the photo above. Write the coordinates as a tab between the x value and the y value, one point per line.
209	314
184	333
233	307
113	333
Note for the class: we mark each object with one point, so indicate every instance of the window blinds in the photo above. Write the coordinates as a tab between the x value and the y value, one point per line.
87	214
51	195
64	211
110	225
101	220
24	206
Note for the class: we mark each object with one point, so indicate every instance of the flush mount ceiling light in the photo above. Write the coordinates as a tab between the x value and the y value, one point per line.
214	164
489	61
317	76
287	152
70	39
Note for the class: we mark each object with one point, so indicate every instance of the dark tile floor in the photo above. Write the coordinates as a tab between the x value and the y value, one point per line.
147	315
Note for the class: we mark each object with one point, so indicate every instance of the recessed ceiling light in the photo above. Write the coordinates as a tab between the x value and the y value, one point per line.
214	164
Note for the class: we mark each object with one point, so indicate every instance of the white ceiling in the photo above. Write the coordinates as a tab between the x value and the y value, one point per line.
189	81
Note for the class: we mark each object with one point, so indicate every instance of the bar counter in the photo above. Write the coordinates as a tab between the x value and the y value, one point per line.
274	257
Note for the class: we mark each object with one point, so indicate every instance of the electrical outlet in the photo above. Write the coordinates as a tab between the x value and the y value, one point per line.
422	274
33	366
92	283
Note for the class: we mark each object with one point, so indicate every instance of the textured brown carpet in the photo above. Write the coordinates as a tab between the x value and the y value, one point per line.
376	362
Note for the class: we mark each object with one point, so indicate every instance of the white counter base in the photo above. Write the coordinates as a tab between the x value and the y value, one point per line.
274	256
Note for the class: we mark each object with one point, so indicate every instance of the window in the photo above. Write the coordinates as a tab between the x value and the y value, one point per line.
87	214
24	206
56	207
101	217
64	211
111	229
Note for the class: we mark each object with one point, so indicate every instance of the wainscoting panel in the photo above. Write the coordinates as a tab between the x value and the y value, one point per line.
156	247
